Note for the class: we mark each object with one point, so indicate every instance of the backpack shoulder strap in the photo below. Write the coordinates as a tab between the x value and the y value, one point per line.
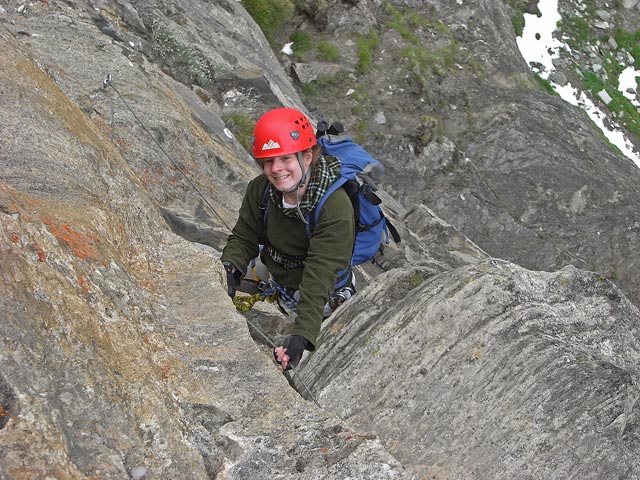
393	230
314	215
264	207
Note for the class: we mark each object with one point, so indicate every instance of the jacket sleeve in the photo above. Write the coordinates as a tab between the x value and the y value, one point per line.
243	243
330	251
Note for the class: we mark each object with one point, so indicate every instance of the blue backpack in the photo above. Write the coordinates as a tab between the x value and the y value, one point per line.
359	173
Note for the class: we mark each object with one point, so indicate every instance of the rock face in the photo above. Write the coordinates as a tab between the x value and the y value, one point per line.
112	362
121	355
470	133
489	371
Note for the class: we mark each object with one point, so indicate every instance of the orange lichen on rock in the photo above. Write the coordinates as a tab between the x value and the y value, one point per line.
83	246
83	284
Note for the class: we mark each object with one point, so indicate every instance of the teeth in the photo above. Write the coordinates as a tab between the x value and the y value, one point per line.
280	178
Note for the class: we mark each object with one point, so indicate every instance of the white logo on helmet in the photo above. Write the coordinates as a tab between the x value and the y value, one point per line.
270	145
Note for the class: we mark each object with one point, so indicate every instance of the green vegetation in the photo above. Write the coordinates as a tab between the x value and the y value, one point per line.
270	15
580	36
518	24
325	85
423	62
577	29
415	279
366	45
631	43
625	111
399	23
302	43
328	51
360	130
546	85
336	87
357	109
181	57
242	127
407	23
521	7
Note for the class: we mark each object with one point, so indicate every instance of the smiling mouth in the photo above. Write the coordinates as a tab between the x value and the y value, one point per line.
282	177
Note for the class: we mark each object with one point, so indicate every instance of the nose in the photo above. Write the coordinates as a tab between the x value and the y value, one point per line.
277	164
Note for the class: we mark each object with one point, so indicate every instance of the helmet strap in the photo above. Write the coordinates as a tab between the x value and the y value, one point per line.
300	184
305	173
303	178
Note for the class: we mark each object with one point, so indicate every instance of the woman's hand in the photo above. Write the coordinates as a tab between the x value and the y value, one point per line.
290	352
234	278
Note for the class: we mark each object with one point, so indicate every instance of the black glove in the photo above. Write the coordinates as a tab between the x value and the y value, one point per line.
234	278
295	345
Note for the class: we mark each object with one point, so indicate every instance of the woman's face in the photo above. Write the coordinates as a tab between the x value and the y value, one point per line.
283	172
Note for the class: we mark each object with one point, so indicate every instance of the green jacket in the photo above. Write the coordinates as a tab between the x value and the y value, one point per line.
327	253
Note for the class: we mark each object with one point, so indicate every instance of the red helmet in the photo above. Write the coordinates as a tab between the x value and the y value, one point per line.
282	131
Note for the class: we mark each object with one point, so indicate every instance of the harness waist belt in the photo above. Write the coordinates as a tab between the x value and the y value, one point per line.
288	262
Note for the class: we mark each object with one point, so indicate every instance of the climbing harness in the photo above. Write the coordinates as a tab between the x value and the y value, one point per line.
271	293
282	294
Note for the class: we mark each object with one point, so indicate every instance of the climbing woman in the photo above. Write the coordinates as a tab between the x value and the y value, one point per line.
309	270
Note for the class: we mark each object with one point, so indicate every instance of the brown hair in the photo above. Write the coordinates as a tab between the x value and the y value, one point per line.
316	152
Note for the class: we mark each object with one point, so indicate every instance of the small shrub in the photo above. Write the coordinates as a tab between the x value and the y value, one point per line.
366	45
360	130
270	15
357	109
399	24
328	52
546	85
302	42
631	43
423	63
518	24
242	127
332	86
309	89
166	46
592	82
415	279
620	105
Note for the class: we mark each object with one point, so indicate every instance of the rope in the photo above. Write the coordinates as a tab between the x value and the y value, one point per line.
281	293
294	373
252	299
245	303
107	82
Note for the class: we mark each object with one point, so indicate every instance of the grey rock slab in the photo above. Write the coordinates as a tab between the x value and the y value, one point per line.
309	72
489	371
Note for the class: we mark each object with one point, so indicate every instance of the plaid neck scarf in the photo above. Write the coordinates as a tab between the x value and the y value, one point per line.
323	175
